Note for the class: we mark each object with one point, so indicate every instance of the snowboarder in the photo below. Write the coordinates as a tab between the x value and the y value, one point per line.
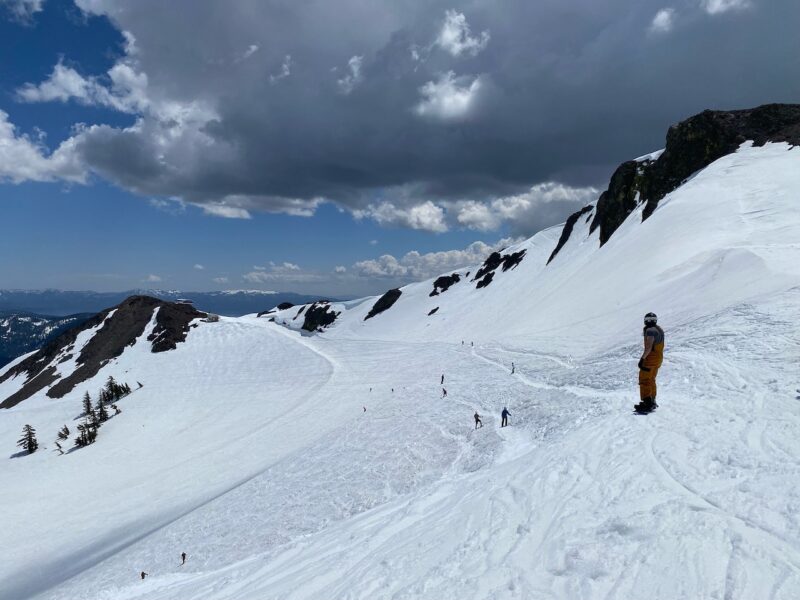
442	380
444	393
651	360
478	422
183	558
504	417
143	575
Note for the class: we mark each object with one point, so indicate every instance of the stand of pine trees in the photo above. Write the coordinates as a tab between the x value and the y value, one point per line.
95	416
28	440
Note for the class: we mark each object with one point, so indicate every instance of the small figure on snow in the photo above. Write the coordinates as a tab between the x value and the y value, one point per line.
141	385
478	422
365	409
183	558
143	575
650	362
444	393
513	368
442	380
504	417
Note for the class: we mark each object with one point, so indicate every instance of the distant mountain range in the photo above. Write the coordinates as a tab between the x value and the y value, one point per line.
232	303
23	332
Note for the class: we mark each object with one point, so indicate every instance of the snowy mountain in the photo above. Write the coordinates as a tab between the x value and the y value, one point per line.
309	452
22	332
232	303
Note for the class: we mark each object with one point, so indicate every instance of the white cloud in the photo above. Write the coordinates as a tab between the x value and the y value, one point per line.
349	82
199	267
24	159
220	280
716	7
152	279
455	36
23	10
417	266
285	271
663	21
450	98
426	216
285	71
126	93
340	269
225	211
373	242
542	205
251	49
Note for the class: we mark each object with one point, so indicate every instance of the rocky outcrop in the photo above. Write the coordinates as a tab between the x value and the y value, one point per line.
433	311
485	274
119	327
319	315
691	145
567	230
443	283
385	302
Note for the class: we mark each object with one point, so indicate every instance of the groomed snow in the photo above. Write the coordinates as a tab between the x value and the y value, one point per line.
249	448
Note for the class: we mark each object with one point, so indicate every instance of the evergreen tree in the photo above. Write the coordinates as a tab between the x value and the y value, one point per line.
87	404
101	412
63	433
59	448
87	434
116	409
28	440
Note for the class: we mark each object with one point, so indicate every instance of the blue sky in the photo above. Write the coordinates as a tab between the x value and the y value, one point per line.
339	150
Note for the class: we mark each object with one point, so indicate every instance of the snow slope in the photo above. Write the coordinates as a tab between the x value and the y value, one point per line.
249	447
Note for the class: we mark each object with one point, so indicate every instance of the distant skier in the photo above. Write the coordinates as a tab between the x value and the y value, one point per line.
442	380
365	409
472	344
504	417
513	368
140	384
650	362
444	393
143	575
183	558
478	422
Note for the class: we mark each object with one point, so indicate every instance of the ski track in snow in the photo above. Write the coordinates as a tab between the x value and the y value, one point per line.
577	499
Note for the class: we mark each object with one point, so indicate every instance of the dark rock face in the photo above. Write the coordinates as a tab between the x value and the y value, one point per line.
299	312
567	231
281	306
318	316
485	274
433	311
443	283
23	332
385	302
119	330
691	145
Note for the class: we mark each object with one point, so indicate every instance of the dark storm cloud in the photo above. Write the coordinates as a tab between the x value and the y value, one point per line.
276	106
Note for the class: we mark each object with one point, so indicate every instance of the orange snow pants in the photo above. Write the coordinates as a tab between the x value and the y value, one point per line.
647	379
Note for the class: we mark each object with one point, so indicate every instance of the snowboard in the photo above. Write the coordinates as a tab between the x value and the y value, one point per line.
644	411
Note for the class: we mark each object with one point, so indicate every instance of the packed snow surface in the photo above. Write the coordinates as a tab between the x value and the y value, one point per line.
250	449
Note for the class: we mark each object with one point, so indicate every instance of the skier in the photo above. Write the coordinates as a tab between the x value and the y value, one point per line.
478	422
513	368
143	575
649	363
365	409
183	558
442	380
504	417
444	393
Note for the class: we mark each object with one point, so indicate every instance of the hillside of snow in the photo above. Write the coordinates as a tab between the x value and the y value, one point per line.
327	464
